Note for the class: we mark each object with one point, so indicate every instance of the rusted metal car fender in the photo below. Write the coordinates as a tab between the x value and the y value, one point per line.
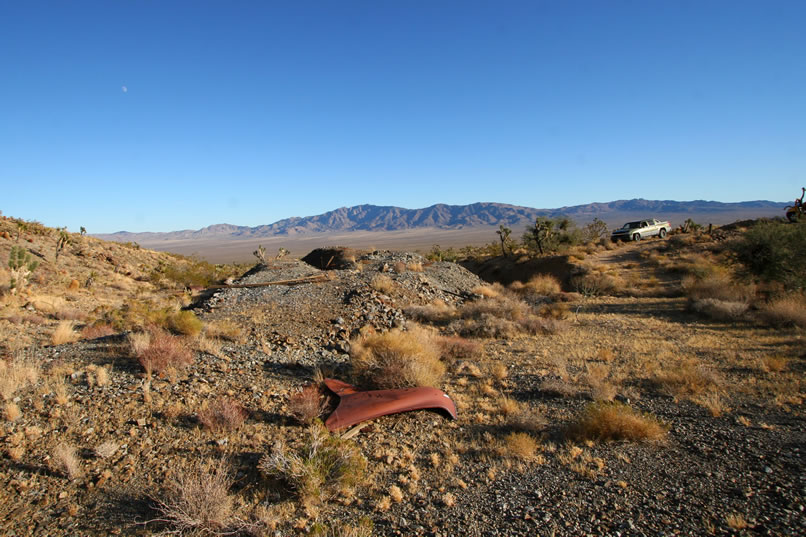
356	406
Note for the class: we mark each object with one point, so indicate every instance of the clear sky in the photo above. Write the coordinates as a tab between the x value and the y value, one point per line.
162	115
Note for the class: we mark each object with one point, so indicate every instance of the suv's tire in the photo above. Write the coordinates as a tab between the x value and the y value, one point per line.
662	233
636	237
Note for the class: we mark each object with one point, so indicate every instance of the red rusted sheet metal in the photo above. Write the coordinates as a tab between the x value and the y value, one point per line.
356	406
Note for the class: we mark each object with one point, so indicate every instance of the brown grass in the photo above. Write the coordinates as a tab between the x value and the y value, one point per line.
397	359
185	323
64	333
307	404
12	411
223	414
64	461
16	375
615	421
224	329
161	352
435	313
717	286
520	446
96	330
198	500
786	311
688	379
720	310
774	364
383	284
454	347
543	284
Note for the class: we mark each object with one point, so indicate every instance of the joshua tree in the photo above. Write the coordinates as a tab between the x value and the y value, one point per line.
83	231
260	253
282	252
61	242
503	234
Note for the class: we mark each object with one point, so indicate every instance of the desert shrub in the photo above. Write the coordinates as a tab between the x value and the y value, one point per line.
16	374
307	404
489	291
785	311
594	283
414	266
65	461
187	273
615	421
720	310
435	313
774	251
501	306
224	329
64	333
554	310
223	414
452	347
443	254
197	500
687	379
160	352
383	283
717	286
549	235
184	322
69	315
364	528
519	445
602	383
320	468
96	330
397	359
543	284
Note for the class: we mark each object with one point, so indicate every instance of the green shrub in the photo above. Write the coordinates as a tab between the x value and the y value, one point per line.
185	323
774	251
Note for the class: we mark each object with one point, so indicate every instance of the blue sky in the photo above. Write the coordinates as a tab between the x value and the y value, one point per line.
158	116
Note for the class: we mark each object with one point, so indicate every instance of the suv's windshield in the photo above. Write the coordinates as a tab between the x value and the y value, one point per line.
632	225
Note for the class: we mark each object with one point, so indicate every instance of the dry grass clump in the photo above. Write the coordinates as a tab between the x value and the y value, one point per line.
185	323
397	359
774	364
323	466
688	379
435	313
12	411
96	330
602	382
307	404
414	266
717	286
720	310
615	421
455	347
595	283
64	333
16	375
197	500
489	291
223	414
383	284
106	449
785	311
224	329
519	445
539	284
64	461
160	352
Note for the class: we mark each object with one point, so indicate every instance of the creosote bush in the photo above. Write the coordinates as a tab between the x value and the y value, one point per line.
397	359
615	421
318	469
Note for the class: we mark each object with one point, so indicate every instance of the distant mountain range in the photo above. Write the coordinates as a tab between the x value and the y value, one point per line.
441	216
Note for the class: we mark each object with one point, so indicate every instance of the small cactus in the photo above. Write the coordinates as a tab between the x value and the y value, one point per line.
22	265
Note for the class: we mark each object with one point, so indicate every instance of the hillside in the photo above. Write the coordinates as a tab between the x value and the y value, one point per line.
654	395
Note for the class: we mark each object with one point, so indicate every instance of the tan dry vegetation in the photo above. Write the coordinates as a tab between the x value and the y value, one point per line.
615	421
398	359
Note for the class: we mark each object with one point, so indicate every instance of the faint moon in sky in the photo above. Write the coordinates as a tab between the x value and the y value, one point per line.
124	89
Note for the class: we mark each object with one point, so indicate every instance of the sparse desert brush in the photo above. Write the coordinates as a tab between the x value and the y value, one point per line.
414	266
499	305
224	329
397	359
615	421
592	282
774	364
712	402
202	343
489	291
223	414
717	286
307	404
16	375
719	310
138	342
400	267
383	283
64	333
785	311
455	347
197	500
435	313
508	406
555	310
525	419
106	449
185	323
687	379
12	411
64	461
543	284
162	353
97	330
323	466
520	446
602	383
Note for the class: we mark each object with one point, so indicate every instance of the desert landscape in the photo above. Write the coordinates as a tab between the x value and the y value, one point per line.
647	388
